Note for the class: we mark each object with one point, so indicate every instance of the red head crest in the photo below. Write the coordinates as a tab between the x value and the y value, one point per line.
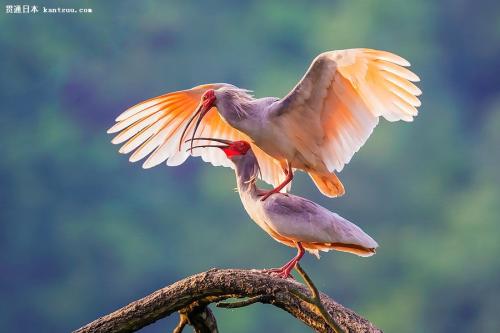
208	99
230	148
236	148
207	102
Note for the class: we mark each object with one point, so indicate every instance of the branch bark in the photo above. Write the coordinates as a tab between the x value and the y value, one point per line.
191	296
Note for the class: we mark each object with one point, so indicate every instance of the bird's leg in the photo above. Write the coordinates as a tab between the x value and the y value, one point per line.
289	176
284	271
281	269
300	253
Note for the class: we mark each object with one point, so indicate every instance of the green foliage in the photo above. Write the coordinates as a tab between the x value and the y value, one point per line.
83	231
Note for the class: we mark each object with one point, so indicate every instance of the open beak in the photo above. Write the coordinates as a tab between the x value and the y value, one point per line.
225	143
200	113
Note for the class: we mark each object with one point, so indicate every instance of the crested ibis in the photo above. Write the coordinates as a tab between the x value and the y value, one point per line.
317	127
290	219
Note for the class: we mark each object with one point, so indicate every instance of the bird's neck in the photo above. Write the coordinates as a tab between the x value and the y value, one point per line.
248	116
233	109
238	114
247	171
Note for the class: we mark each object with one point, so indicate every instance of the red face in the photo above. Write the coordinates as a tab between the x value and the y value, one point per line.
230	148
208	99
236	148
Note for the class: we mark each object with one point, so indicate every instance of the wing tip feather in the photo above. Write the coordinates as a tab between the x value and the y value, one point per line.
389	56
148	164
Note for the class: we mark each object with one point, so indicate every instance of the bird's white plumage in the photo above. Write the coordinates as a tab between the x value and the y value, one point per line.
342	95
303	220
153	129
317	127
290	219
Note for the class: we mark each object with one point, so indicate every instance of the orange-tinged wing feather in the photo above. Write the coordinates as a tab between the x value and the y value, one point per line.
153	129
341	97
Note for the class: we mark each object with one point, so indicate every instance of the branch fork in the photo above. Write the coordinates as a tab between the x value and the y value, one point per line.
191	297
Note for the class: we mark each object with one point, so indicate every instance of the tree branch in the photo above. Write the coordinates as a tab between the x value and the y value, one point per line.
192	295
315	300
199	316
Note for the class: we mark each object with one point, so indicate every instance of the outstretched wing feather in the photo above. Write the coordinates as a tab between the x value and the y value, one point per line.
153	129
341	97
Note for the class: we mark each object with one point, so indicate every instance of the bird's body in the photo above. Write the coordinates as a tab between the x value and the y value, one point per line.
290	219
264	121
316	128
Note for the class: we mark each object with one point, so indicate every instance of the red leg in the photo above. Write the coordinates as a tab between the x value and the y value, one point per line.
284	271
277	189
281	269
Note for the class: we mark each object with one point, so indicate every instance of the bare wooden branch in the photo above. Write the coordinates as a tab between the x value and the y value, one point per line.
183	321
315	300
215	285
199	316
246	302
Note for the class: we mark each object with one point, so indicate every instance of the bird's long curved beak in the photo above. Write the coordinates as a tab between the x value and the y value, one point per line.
200	113
225	143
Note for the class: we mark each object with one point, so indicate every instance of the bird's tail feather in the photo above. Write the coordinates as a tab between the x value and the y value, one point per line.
328	184
358	250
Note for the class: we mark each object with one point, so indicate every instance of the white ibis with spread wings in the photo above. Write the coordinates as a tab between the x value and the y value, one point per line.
316	128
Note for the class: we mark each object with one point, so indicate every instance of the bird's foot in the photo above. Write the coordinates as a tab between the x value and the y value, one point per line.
284	275
282	272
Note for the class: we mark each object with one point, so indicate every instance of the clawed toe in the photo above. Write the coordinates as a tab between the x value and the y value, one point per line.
278	272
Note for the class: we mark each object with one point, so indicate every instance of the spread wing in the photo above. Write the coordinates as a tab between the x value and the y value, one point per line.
341	98
153	129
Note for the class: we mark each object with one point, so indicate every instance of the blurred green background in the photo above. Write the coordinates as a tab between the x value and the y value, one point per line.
83	231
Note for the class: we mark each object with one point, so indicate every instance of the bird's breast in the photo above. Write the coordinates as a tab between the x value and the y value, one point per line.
284	144
274	141
254	207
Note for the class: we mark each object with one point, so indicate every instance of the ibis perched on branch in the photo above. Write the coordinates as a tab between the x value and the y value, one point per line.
290	219
316	128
